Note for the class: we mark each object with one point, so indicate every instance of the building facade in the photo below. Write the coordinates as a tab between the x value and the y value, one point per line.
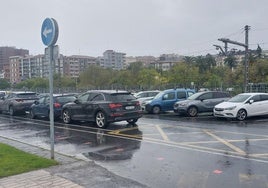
22	68
6	52
74	65
166	61
114	60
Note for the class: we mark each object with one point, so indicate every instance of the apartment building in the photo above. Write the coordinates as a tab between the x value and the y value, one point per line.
6	52
114	60
75	64
166	61
14	69
146	60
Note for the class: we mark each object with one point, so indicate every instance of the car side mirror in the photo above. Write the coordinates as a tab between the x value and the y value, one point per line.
76	101
251	101
36	102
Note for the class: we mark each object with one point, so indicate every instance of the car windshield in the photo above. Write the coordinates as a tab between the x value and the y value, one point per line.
239	98
159	95
194	96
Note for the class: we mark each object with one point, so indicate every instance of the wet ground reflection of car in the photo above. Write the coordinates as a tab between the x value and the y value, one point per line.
117	144
121	150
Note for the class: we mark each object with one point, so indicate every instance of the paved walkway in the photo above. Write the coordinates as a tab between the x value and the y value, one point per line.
73	172
36	179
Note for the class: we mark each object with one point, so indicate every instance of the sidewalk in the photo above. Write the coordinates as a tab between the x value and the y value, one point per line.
36	179
71	173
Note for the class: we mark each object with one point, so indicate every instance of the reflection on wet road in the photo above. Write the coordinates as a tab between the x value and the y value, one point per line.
161	152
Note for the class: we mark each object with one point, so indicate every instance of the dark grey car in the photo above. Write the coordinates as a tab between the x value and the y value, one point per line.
17	102
200	102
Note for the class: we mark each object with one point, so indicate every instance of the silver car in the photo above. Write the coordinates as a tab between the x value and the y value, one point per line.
17	102
200	102
145	95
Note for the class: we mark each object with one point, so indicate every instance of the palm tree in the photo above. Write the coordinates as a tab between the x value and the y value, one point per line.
189	60
230	61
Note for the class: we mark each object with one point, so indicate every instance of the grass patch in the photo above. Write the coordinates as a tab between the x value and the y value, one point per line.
14	161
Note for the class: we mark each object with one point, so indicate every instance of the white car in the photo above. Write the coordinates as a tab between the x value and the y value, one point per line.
145	95
242	106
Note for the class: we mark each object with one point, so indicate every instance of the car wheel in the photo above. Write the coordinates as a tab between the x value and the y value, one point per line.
132	121
156	110
192	111
32	115
11	111
241	115
66	118
100	120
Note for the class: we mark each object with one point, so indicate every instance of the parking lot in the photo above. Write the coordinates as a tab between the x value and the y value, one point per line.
205	138
164	149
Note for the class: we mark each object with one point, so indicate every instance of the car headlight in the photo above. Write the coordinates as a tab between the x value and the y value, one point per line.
182	104
230	108
146	102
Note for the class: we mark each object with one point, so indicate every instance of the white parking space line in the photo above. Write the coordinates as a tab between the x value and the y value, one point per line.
162	133
238	150
241	133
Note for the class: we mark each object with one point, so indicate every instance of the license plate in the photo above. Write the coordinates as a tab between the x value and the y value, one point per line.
130	107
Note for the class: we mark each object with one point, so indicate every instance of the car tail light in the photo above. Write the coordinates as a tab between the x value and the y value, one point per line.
115	105
57	105
19	100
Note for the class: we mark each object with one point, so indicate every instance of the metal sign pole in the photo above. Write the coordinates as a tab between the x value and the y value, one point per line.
49	35
51	115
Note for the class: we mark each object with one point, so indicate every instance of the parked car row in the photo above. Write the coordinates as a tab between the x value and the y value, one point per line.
219	103
100	106
106	106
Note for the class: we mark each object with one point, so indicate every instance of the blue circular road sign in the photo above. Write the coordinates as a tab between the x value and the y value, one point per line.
49	31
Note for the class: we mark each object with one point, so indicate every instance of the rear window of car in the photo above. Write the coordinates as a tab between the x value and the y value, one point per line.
116	97
26	95
264	97
221	95
66	99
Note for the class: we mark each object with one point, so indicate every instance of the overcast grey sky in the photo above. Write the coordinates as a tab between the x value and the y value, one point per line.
135	27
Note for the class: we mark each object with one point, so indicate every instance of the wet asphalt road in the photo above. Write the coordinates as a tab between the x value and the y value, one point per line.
161	151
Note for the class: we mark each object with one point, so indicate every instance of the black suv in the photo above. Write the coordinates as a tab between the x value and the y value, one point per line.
103	107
